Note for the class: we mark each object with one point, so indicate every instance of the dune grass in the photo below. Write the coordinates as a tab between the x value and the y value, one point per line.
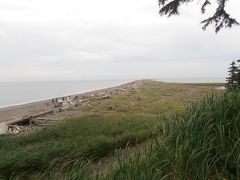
152	98
201	143
71	142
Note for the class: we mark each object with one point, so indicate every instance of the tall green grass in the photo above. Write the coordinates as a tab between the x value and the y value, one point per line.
201	143
68	147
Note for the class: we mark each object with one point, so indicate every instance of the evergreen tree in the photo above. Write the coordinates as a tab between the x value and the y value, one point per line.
238	73
232	80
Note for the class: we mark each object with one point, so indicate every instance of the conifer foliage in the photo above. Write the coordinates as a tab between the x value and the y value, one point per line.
233	80
220	19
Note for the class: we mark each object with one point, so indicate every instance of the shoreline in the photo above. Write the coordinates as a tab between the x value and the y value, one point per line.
12	112
65	95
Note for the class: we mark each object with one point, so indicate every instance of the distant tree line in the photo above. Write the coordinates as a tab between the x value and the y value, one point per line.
233	79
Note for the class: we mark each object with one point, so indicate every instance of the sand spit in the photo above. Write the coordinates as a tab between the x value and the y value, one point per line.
21	118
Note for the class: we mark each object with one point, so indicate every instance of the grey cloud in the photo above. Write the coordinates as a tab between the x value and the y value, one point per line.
82	47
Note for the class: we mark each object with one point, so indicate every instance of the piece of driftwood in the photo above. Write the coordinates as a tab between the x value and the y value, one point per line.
3	128
66	107
26	119
43	114
45	119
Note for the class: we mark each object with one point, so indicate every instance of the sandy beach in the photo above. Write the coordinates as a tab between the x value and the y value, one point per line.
9	114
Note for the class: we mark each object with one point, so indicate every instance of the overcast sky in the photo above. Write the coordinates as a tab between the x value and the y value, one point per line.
110	39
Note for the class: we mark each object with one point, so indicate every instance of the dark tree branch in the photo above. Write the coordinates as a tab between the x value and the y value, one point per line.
205	4
170	8
221	19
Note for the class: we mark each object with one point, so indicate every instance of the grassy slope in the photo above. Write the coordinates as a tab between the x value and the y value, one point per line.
201	143
75	142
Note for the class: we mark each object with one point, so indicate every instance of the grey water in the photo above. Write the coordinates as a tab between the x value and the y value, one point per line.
16	93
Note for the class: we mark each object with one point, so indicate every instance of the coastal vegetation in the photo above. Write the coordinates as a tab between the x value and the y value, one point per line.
233	79
71	143
158	130
200	143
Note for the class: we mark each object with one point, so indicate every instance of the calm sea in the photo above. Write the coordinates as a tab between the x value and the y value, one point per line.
15	93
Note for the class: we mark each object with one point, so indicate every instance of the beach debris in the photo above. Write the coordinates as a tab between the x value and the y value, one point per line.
68	103
3	128
121	90
25	123
75	98
59	103
109	108
106	97
44	121
14	129
33	124
26	119
62	102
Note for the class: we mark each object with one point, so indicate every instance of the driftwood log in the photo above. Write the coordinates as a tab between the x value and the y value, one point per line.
26	119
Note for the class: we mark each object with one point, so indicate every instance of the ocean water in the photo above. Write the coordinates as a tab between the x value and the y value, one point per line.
15	93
